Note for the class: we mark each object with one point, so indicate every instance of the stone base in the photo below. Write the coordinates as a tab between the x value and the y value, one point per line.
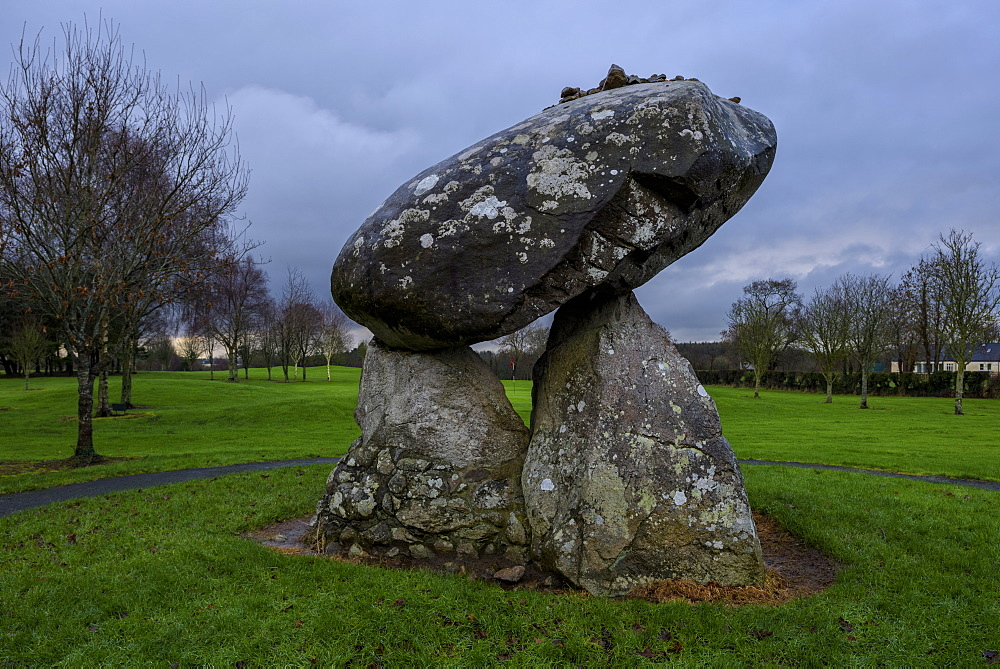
628	479
437	469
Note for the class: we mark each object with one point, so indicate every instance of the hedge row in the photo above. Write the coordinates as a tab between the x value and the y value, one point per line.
938	384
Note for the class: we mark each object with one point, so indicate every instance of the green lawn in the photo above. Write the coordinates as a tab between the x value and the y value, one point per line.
914	435
162	576
182	420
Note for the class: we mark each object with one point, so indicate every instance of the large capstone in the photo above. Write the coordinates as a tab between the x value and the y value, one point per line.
628	478
605	190
437	468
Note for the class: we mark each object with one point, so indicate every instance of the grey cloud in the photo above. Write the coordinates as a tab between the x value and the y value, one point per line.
885	113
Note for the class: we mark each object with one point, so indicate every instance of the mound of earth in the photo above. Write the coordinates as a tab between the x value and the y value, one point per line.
794	570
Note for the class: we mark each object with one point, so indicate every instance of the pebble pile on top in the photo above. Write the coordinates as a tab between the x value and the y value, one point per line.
625	477
616	79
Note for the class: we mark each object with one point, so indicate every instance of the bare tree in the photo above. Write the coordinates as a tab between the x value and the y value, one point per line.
763	322
869	301
904	327
190	348
970	297
269	335
333	337
161	351
528	342
237	296
27	344
112	190
298	323
922	283
825	328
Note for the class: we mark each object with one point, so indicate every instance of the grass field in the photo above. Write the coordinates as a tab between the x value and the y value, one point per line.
184	420
915	435
162	576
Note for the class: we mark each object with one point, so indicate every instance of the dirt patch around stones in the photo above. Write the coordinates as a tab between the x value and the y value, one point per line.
18	467
794	570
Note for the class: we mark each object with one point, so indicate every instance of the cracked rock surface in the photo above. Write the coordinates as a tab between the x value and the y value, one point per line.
628	478
605	190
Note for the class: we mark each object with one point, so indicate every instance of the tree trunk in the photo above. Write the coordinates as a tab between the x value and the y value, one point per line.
756	384
864	389
234	372
211	359
128	362
328	369
959	389
103	406
84	452
829	389
101	363
27	375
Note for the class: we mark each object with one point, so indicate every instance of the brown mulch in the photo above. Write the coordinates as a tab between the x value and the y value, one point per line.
16	467
794	570
121	416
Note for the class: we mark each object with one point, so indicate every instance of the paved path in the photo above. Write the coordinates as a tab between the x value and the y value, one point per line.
972	483
21	501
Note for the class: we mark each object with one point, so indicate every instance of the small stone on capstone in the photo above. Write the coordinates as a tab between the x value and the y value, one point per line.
736	99
678	78
616	79
568	91
632	79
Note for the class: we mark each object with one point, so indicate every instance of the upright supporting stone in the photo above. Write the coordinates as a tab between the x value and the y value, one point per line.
628	478
437	468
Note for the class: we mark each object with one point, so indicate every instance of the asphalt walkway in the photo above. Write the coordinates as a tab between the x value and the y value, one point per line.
21	501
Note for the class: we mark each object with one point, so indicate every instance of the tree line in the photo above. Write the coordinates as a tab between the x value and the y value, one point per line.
118	215
944	307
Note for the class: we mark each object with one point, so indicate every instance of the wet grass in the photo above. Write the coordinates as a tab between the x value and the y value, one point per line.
162	576
913	435
182	420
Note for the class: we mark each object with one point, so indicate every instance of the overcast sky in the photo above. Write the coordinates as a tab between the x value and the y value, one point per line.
887	114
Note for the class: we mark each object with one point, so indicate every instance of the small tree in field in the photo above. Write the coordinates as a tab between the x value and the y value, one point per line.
238	297
526	342
333	337
763	322
825	328
27	344
161	351
190	349
268	335
298	323
869	301
970	296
